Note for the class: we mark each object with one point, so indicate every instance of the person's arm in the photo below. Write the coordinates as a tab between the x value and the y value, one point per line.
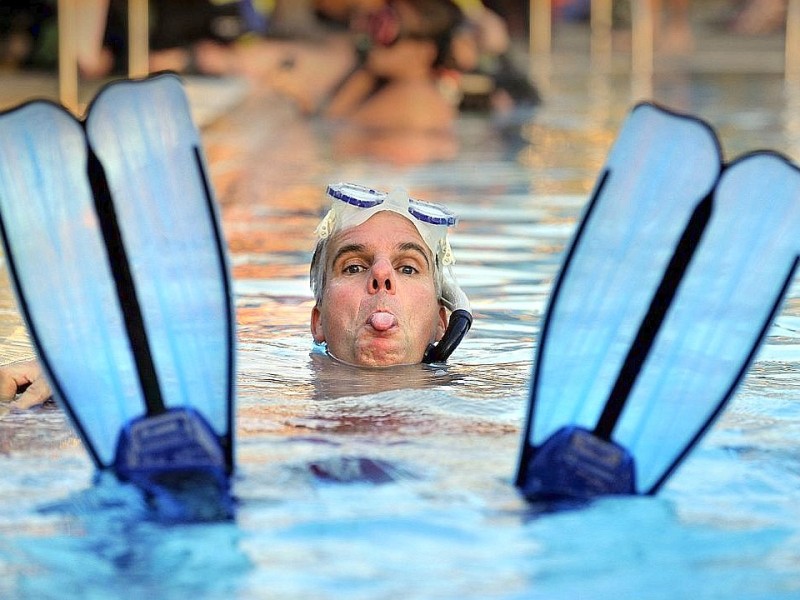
25	379
351	94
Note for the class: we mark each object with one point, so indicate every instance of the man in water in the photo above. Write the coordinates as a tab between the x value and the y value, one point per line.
381	277
382	281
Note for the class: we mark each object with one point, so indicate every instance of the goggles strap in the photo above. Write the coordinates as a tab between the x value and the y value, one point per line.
446	252
325	227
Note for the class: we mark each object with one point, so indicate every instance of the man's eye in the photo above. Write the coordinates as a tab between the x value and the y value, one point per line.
408	270
353	269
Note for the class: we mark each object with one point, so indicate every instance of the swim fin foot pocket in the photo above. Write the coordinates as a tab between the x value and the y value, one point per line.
174	457
577	465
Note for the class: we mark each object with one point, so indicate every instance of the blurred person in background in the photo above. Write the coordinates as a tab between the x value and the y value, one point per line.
673	26
759	17
397	82
490	80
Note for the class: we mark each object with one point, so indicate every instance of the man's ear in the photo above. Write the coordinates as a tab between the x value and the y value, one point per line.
442	325
316	325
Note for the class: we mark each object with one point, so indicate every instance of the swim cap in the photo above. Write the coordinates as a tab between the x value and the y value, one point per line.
353	204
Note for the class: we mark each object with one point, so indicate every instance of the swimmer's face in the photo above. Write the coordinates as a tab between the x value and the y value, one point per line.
380	306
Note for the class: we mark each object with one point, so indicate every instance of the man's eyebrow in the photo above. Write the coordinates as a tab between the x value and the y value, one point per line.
347	249
414	246
359	248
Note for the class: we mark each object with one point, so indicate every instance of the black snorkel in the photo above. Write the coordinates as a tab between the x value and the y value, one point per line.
454	298
457	328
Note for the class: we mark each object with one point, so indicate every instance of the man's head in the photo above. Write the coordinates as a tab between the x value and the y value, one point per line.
378	275
427	26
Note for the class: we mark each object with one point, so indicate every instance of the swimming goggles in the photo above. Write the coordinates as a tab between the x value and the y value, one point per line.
353	204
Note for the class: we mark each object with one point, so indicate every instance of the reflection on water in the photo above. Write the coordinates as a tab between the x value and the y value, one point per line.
397	483
397	147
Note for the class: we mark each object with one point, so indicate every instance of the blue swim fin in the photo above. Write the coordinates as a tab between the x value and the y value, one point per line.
671	283
115	250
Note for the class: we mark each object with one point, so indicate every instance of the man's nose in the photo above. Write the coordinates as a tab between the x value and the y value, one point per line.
382	277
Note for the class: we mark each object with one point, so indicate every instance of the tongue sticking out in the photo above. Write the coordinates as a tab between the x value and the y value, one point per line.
381	321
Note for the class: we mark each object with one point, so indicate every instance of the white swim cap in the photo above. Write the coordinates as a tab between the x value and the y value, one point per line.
353	204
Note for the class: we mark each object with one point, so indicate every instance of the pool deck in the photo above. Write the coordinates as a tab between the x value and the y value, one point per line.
714	51
208	96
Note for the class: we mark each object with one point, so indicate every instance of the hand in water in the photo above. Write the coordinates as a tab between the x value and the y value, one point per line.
25	379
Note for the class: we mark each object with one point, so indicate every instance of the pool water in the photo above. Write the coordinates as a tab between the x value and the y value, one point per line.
397	484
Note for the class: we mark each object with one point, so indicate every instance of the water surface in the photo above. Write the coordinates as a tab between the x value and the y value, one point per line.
397	483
